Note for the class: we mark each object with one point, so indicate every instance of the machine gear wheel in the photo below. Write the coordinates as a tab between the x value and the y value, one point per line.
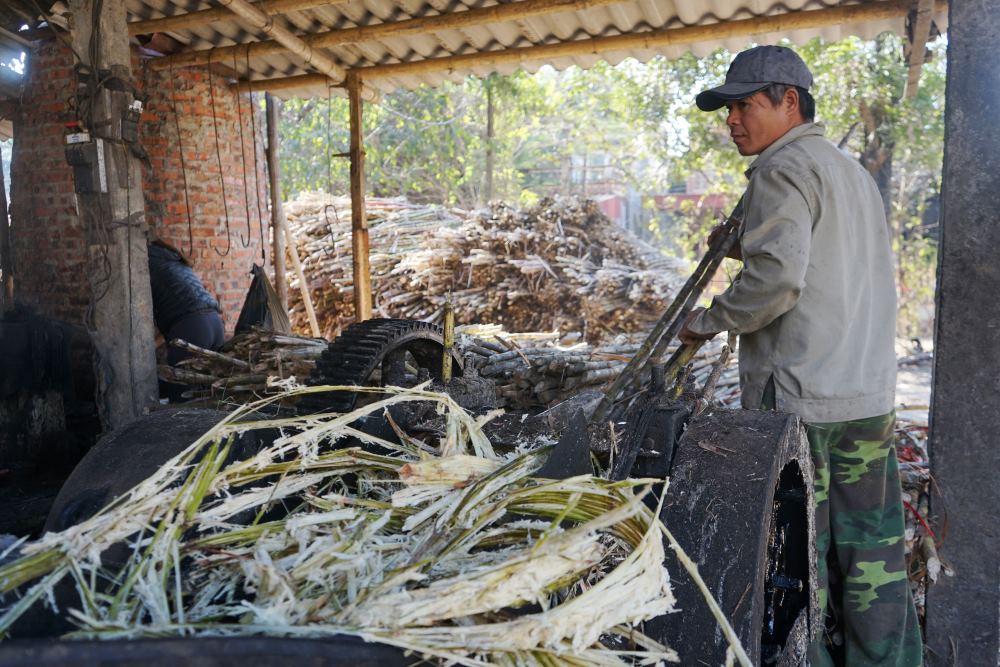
377	352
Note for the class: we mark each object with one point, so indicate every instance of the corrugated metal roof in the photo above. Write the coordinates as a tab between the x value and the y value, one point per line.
605	20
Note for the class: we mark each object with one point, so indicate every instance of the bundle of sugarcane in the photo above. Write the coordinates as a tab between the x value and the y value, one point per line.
542	372
559	265
240	370
430	546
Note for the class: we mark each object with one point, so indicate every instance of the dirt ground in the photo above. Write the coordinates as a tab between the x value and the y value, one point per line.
913	383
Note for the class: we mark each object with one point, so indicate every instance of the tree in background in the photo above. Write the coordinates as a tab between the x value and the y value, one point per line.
520	136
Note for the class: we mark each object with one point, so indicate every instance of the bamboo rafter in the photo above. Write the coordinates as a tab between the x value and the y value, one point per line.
199	18
453	21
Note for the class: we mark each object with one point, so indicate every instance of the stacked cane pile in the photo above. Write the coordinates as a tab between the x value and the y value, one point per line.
561	265
321	226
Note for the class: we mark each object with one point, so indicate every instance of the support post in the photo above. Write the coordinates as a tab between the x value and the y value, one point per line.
273	106
359	216
963	611
121	323
490	137
6	256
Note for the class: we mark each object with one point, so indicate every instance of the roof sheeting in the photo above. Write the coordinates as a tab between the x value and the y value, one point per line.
601	19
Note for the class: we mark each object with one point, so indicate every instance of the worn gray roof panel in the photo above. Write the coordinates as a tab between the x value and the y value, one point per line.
618	18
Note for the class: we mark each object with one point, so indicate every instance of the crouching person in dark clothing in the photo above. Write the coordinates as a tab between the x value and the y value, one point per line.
182	307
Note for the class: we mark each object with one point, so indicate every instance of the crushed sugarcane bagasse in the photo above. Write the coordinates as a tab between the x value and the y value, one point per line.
431	546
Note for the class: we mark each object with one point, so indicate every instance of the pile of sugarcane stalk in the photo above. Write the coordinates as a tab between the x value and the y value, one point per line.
321	227
530	369
534	370
559	265
242	368
430	546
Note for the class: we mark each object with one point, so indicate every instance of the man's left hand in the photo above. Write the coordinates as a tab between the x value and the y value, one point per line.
689	337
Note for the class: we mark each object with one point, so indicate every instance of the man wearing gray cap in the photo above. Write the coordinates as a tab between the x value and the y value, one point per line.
815	308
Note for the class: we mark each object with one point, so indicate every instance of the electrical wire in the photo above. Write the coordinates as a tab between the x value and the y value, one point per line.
218	157
180	147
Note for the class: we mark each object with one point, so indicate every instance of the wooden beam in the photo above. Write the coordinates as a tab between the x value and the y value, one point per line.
273	107
215	14
922	17
368	94
511	11
293	251
6	256
121	318
261	21
655	39
284	83
15	38
359	217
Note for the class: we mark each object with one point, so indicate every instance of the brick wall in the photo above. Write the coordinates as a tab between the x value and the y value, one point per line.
218	225
48	239
221	235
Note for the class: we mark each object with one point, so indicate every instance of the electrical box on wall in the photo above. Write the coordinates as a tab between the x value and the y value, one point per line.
86	155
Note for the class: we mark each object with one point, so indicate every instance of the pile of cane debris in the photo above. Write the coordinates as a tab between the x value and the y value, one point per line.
241	369
430	546
531	370
925	567
561	265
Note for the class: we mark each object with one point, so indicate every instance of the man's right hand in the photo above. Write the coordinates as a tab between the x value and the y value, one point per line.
688	337
734	252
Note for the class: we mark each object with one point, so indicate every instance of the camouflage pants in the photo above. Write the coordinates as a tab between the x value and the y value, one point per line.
859	544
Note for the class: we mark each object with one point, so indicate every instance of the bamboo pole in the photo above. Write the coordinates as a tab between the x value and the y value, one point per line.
303	285
198	19
277	204
359	217
292	42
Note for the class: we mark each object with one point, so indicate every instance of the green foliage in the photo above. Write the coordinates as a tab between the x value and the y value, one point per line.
638	123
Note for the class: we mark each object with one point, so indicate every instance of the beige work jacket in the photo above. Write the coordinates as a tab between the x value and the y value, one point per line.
815	303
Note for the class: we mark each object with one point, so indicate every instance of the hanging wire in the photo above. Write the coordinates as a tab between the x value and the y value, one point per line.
218	157
180	147
256	166
243	160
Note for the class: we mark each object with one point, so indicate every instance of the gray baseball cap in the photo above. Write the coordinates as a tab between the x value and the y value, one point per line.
756	69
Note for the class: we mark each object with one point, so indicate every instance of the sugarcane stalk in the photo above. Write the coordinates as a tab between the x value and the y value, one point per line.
209	354
708	390
669	324
449	341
